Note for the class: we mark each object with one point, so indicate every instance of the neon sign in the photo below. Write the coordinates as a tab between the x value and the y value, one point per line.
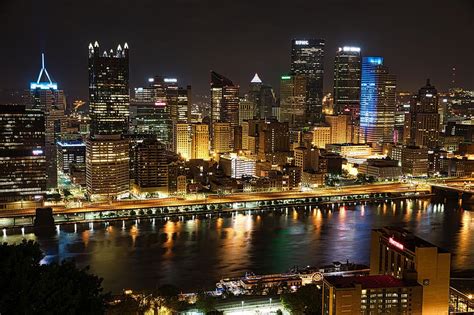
395	243
37	152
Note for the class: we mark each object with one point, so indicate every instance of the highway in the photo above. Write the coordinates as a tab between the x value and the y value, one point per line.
230	198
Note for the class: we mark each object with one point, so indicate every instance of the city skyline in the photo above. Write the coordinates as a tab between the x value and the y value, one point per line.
243	52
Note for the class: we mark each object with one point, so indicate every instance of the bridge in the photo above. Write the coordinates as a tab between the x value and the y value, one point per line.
172	208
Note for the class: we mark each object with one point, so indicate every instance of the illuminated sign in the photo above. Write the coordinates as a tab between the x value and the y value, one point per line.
37	152
160	104
351	49
43	86
374	60
151	80
170	80
285	77
301	42
395	243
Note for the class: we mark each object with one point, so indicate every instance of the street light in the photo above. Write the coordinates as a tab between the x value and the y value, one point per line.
242	307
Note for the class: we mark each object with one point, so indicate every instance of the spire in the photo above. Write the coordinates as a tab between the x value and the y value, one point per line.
96	44
256	79
125	46
119	48
428	82
91	47
45	84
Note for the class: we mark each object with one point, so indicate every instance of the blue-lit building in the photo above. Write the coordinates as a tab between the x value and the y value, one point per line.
46	97
377	102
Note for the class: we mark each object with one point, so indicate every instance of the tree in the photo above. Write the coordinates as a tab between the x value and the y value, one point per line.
205	303
26	287
307	300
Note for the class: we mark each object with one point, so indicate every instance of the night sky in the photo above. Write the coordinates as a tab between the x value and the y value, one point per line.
187	38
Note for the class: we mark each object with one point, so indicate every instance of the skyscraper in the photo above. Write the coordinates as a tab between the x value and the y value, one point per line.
22	156
109	97
107	152
293	99
183	140
151	169
200	142
224	100
46	97
221	137
262	96
377	101
347	73
307	60
422	122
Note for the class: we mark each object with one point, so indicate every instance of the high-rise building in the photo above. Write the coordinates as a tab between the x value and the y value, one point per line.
293	95
422	122
109	97
107	167
321	136
150	113
246	109
107	152
46	96
183	140
151	168
347	75
237	166
273	137
398	253
22	157
224	100
221	137
340	128
71	151
377	101
307	60
263	97
200	141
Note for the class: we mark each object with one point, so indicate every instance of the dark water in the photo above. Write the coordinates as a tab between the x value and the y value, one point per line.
195	254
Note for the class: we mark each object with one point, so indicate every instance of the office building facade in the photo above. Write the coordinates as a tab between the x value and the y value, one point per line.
377	102
307	60
23	178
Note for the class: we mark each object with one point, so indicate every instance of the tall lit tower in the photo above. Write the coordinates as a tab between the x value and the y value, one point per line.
109	97
307	60
422	122
107	152
224	101
377	101
52	102
347	72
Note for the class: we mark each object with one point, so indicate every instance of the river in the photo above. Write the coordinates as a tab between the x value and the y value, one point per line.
195	254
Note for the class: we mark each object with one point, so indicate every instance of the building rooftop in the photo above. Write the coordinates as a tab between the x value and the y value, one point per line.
406	239
368	282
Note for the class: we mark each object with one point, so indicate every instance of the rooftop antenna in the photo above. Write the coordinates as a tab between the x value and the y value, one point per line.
43	70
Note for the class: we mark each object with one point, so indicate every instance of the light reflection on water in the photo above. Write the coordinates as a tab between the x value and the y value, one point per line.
194	254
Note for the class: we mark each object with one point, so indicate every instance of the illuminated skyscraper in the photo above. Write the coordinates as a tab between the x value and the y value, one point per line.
51	101
422	122
307	60
347	72
200	141
109	97
293	99
183	140
262	96
107	152
224	100
22	157
377	101
221	137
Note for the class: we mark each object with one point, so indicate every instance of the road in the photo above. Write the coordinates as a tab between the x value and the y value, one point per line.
230	198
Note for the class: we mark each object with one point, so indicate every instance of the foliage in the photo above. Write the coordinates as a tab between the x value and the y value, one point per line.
307	300
205	303
26	287
127	306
